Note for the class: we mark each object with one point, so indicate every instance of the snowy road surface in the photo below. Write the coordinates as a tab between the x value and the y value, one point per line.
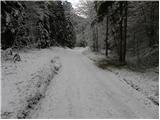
81	90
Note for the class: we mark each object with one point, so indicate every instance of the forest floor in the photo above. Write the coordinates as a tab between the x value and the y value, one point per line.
79	90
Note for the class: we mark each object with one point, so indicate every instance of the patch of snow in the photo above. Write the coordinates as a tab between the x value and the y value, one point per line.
22	80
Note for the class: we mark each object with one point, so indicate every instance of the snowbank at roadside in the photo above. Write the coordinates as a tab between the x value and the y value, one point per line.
24	83
146	82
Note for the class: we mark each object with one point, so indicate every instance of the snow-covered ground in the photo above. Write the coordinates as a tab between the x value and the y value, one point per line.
144	81
82	90
24	83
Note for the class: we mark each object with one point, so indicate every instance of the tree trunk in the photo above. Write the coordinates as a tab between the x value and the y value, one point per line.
94	39
121	33
125	34
106	36
135	43
138	57
97	39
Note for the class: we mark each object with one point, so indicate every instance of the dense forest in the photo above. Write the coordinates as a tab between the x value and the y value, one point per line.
36	24
125	30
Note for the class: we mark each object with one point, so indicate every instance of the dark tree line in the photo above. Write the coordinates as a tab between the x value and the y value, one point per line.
126	22
35	24
120	11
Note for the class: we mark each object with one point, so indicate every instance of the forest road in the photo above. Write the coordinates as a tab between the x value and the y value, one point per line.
81	90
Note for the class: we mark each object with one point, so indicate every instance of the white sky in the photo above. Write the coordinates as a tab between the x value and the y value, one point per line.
74	2
74	5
